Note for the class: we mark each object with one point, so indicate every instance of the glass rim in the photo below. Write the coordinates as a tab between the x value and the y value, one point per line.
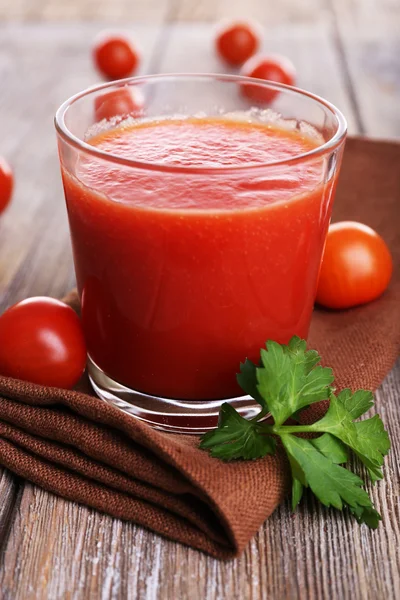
75	141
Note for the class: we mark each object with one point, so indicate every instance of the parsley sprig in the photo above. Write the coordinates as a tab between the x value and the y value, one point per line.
287	380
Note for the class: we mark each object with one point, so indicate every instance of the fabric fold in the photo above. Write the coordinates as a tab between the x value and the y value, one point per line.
79	447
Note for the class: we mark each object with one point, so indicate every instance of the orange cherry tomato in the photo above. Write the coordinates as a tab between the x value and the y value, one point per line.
115	56
236	42
6	184
274	68
356	267
41	341
121	102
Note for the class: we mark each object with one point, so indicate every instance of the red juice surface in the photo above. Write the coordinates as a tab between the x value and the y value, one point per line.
184	274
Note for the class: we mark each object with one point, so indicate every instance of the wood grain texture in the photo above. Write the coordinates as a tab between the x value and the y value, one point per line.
59	550
35	255
190	48
8	499
117	11
270	15
369	42
56	549
108	11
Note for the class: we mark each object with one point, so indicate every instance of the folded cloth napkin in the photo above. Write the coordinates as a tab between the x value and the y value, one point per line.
75	445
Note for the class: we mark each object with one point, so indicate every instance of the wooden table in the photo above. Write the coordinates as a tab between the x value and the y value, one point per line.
345	50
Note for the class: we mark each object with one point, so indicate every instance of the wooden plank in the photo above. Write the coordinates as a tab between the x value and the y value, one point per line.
35	256
39	68
369	40
290	11
269	14
8	495
36	202
367	15
117	11
60	550
190	48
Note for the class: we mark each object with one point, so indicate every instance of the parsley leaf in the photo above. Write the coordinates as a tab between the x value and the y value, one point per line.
358	403
287	380
247	380
236	437
372	445
331	483
332	448
297	492
367	515
368	439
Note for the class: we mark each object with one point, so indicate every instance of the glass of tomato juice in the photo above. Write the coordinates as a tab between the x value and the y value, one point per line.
198	208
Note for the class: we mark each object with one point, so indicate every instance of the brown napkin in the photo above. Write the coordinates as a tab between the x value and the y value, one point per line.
79	447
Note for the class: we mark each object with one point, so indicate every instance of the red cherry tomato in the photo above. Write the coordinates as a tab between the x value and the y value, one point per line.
236	42
115	56
121	102
356	267
41	341
6	184
274	68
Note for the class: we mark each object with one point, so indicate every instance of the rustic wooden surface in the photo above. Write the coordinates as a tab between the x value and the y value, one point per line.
345	50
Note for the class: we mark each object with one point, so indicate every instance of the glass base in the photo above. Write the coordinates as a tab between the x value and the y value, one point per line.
175	416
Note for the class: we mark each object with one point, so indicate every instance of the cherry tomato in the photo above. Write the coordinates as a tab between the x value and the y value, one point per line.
6	184
115	56
272	68
121	102
236	42
41	341
356	267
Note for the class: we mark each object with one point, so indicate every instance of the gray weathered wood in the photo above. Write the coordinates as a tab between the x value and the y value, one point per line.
60	550
270	15
110	12
56	549
40	67
8	495
370	43
190	48
307	11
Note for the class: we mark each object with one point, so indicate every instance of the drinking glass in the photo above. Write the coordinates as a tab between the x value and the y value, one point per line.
175	293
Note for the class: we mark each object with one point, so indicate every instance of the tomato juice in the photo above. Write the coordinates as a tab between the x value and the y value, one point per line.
187	265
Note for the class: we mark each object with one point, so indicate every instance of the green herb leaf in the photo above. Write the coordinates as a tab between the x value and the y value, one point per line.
367	515
298	346
247	379
289	379
372	444
358	403
236	437
368	439
332	448
297	492
333	485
